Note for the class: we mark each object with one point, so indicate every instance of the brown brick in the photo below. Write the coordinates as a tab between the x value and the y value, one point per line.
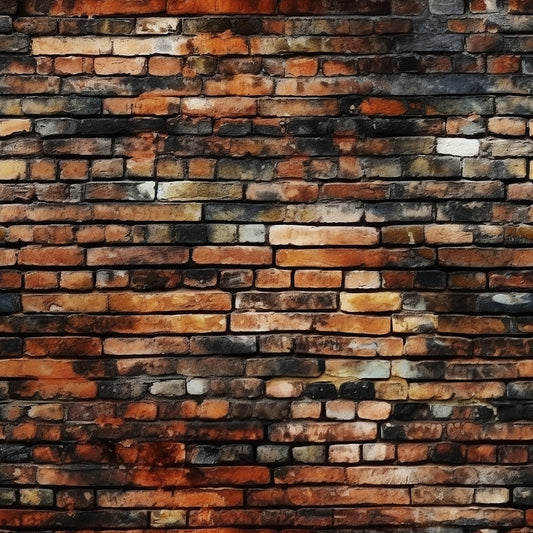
287	107
289	191
139	255
94	7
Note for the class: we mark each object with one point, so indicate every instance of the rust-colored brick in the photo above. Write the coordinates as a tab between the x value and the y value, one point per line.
267	266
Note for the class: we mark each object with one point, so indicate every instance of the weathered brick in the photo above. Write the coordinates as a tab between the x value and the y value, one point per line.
301	217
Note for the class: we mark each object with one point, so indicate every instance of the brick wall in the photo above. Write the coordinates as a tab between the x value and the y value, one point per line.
266	266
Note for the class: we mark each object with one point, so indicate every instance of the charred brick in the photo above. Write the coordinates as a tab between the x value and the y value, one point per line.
15	453
235	129
357	390
311	127
411	411
287	366
449	452
10	303
321	391
227	345
189	233
184	126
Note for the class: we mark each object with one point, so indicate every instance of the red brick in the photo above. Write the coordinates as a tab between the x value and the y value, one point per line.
240	7
503	64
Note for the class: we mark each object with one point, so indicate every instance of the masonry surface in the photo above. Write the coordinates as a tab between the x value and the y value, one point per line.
266	266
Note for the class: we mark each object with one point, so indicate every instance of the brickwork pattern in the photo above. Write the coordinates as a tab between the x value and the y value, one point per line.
266	266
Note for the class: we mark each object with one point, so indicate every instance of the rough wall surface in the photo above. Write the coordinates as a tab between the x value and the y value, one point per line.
266	266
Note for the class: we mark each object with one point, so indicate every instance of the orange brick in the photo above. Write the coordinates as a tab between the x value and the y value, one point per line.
365	325
51	256
70	65
310	235
272	278
301	66
183	498
232	255
213	409
220	107
239	85
64	346
134	66
41	280
270	321
169	301
64	303
141	411
143	105
202	168
318	279
368	410
344	257
43	170
370	302
165	66
76	280
382	106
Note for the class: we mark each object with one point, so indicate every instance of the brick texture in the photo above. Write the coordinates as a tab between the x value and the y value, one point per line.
266	266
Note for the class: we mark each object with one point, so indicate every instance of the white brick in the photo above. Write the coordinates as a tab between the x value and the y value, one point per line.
458	146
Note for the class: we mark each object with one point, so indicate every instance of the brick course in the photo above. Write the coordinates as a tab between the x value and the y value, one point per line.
266	266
